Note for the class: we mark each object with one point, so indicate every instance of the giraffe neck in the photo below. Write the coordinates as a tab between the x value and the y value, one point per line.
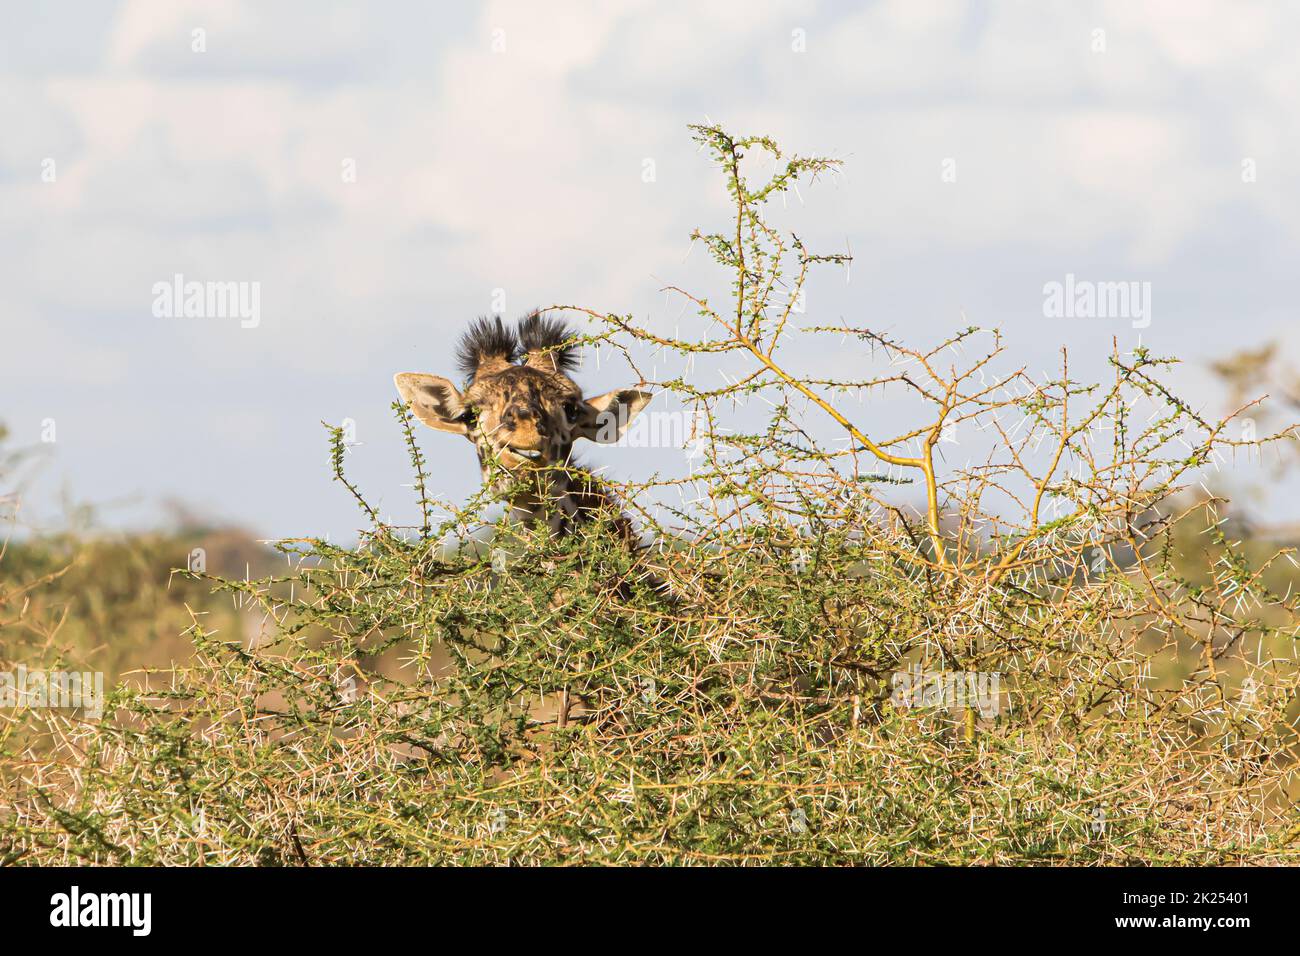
562	499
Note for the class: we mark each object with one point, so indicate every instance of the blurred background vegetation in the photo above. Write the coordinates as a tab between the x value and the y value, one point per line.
110	597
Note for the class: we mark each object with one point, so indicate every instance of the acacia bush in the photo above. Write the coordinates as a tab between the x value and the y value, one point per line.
735	692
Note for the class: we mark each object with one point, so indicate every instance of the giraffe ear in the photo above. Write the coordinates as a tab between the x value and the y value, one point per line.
609	415
434	400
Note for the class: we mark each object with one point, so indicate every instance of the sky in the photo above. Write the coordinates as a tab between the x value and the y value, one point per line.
384	172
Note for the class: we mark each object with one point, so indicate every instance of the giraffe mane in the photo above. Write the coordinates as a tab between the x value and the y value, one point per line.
547	342
487	341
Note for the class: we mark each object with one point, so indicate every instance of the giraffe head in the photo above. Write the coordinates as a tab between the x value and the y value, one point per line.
518	404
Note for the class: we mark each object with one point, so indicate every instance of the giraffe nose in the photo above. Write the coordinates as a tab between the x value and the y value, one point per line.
519	417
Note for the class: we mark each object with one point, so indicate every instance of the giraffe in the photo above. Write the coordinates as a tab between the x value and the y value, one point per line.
523	412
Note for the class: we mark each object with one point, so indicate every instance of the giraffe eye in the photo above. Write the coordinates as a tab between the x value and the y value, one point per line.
571	411
469	418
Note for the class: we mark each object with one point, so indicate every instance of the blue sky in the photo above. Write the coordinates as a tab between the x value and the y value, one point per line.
502	147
